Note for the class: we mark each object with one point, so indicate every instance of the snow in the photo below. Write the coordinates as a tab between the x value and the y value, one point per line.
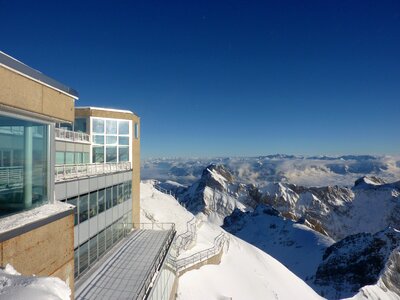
18	287
33	215
245	272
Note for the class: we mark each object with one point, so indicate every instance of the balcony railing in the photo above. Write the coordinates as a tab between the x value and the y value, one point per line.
67	172
68	135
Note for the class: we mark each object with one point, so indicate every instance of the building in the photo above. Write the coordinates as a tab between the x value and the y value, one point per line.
69	184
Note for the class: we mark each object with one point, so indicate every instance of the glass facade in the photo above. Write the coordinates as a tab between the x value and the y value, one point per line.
24	164
111	140
89	206
69	157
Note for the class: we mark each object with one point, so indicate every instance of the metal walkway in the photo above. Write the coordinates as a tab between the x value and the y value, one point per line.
129	270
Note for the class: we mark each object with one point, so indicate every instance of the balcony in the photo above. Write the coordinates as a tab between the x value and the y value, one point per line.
71	136
68	172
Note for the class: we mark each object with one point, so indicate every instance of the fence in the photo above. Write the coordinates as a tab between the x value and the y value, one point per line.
10	177
181	264
65	172
68	135
184	240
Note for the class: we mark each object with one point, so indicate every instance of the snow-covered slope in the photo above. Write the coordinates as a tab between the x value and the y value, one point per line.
295	245
245	273
15	286
260	275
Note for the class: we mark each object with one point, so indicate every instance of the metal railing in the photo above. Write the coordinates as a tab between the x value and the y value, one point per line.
10	177
160	257
184	240
66	172
68	135
181	264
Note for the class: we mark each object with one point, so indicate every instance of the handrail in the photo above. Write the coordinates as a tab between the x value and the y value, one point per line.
198	257
183	240
68	135
65	172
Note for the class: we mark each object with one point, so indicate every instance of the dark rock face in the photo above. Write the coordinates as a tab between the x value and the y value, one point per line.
355	261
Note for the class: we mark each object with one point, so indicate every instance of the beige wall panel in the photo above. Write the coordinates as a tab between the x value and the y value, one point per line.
43	251
26	94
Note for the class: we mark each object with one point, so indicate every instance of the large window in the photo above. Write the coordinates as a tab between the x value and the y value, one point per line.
24	164
111	140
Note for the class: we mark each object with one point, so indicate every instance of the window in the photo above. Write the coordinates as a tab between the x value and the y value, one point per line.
83	208
102	203
115	195
120	193
123	127
80	125
111	140
108	198
60	158
25	160
86	159
123	141
74	201
111	127
101	240
83	257
123	154
76	262
69	158
109	240
111	154
98	139
136	130
98	126
78	157
93	204
93	249
98	154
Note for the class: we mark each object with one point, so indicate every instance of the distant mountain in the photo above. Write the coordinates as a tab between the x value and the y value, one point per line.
359	260
301	170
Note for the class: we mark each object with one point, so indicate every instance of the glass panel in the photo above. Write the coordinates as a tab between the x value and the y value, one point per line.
102	242
83	208
111	140
98	139
98	155
93	249
66	126
108	237
76	264
136	130
78	157
80	125
93	204
123	127
60	158
86	159
108	198
123	154
69	158
74	201
102	203
123	140
115	195
23	164
98	126
120	193
111	127
83	257
111	153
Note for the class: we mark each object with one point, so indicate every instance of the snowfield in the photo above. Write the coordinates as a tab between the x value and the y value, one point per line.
245	271
15	286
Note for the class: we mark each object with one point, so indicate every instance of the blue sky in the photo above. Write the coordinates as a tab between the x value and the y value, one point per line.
222	78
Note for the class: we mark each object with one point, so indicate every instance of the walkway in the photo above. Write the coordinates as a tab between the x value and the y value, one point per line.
129	270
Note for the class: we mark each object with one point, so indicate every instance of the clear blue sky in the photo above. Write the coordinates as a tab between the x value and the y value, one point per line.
218	78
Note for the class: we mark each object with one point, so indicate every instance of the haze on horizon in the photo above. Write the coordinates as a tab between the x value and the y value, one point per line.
225	78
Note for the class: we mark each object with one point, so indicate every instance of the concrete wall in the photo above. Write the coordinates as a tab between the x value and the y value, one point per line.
92	112
44	251
20	92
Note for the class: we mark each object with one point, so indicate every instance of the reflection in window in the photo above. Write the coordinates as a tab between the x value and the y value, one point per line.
93	250
111	127
80	125
102	242
111	140
123	140
24	164
93	204
98	126
60	158
111	154
102	203
83	257
123	154
115	195
98	154
69	158
123	127
74	201
108	198
83	208
98	139
136	130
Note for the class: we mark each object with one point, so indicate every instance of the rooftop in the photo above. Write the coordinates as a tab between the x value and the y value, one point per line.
106	109
10	62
